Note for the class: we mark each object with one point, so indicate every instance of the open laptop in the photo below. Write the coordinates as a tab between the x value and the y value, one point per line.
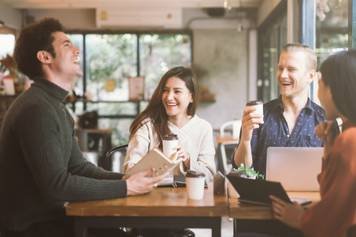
295	167
259	191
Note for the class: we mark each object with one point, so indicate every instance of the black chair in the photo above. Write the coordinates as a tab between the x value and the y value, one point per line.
116	157
351	232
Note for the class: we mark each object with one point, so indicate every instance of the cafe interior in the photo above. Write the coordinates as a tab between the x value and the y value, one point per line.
232	46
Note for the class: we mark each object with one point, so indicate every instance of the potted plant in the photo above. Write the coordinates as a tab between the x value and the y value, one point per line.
247	172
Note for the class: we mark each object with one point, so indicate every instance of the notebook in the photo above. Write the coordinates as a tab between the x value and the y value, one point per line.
259	191
295	167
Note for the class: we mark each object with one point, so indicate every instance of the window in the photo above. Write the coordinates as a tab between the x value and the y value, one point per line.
7	42
110	59
332	28
274	32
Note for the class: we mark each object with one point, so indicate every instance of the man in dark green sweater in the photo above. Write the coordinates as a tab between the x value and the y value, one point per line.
41	166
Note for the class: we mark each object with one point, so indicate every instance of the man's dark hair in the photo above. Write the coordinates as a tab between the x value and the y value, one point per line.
32	39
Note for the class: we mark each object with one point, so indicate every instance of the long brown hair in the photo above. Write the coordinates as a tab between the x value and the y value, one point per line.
155	109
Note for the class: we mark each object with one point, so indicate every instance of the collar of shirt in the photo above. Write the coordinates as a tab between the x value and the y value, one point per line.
308	106
51	88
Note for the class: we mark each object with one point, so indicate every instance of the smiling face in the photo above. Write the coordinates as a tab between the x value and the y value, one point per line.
176	98
66	62
293	76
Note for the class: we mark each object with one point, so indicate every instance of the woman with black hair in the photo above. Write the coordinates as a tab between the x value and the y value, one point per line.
171	110
336	211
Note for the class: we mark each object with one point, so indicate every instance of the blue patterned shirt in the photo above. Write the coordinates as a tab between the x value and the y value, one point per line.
274	132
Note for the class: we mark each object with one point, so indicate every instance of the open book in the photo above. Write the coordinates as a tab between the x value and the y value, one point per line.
157	160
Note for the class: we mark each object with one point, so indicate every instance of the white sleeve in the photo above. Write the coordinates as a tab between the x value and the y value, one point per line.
138	146
205	161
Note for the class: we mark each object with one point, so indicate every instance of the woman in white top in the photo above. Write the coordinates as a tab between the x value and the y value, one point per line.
172	110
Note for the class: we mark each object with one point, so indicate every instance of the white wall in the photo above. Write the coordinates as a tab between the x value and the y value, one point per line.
70	18
11	17
222	55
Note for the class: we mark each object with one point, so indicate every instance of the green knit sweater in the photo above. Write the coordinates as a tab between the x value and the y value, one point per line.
41	166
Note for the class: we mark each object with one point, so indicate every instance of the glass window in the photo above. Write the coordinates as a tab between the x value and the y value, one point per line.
159	52
111	60
120	129
7	42
331	27
274	38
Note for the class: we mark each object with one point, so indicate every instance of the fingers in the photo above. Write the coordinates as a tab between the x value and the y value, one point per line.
250	120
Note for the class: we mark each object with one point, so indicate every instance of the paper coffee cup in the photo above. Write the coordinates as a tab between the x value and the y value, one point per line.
195	185
258	106
170	144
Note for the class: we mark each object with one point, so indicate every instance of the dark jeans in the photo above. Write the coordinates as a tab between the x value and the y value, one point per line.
61	228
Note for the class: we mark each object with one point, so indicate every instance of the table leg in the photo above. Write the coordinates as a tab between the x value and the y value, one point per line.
216	229
80	230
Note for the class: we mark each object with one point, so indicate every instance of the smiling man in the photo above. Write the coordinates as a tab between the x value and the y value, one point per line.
41	166
289	120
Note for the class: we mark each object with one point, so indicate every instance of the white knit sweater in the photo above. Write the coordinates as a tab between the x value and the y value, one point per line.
195	137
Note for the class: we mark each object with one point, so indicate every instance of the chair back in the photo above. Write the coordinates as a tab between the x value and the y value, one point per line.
234	126
351	232
117	157
227	150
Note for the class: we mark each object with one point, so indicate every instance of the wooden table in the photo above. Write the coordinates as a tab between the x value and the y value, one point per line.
162	208
226	140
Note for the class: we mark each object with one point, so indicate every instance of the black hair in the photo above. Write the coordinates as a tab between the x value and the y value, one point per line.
155	109
33	38
339	74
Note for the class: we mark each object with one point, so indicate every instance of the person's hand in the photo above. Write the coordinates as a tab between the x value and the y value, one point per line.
181	154
250	121
290	214
142	182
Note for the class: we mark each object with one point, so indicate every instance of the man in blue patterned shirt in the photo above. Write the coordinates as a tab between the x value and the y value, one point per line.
287	121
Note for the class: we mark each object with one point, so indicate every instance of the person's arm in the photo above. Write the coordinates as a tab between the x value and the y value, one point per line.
46	144
78	165
243	152
138	147
338	191
205	162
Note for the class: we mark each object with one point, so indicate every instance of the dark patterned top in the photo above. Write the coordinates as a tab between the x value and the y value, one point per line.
274	132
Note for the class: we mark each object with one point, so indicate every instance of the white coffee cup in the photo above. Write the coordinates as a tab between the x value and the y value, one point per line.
258	107
195	186
170	144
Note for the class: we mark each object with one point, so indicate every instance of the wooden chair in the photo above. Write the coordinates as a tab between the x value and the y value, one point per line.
234	126
116	157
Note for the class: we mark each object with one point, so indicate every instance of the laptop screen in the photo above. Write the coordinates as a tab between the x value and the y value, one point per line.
295	167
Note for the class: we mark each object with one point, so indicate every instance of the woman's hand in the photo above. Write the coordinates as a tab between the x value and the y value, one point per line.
290	214
181	154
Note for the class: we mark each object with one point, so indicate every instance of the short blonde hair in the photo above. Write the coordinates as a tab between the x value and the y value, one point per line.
311	62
